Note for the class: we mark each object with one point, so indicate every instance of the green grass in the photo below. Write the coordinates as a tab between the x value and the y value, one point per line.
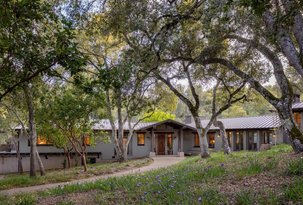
294	192
295	167
55	176
192	181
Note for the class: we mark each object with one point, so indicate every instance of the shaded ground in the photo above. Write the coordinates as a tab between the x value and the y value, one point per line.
270	177
157	162
10	181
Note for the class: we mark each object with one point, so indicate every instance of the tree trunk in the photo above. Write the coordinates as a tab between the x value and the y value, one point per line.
68	160
125	150
120	127
291	129
20	167
202	137
32	130
83	156
41	167
226	146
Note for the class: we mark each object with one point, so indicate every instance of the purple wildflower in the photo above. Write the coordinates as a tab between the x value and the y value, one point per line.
200	199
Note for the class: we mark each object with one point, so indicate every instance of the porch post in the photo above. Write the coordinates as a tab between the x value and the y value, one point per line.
259	135
180	151
245	140
153	142
233	140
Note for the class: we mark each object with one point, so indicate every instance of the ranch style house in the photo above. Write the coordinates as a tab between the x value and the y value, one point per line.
168	137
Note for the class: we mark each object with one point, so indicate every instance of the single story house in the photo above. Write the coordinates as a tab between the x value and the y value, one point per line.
168	137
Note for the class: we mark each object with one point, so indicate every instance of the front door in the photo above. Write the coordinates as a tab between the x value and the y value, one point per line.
161	144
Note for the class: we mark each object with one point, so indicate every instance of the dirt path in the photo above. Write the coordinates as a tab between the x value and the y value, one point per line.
159	162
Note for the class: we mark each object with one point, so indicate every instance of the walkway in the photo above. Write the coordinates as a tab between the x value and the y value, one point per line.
159	162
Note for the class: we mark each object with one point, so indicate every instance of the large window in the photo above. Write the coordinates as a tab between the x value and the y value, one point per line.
196	142
140	139
42	141
297	117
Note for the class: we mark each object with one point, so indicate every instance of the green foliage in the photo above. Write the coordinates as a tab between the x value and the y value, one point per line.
192	181
65	113
295	167
258	6
57	176
294	192
245	198
33	41
234	111
25	199
158	116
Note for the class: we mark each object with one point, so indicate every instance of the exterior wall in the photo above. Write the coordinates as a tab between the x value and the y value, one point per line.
188	143
106	149
218	142
141	151
9	164
255	136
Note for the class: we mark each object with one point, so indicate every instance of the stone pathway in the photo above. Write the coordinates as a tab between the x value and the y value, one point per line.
159	162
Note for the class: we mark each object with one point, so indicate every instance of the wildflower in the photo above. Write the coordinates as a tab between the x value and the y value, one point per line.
222	164
145	193
200	199
139	184
143	198
159	192
171	186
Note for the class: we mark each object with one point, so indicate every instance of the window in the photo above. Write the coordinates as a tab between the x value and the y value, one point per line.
196	142
211	140
86	140
140	139
297	117
43	141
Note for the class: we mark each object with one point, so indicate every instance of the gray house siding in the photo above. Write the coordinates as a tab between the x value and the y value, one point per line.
141	150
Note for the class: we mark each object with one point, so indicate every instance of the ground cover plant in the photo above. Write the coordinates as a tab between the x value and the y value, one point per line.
241	178
54	176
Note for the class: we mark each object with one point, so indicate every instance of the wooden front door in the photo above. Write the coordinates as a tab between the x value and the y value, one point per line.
161	144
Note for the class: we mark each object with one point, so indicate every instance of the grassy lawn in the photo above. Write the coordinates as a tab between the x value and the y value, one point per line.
54	176
271	177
